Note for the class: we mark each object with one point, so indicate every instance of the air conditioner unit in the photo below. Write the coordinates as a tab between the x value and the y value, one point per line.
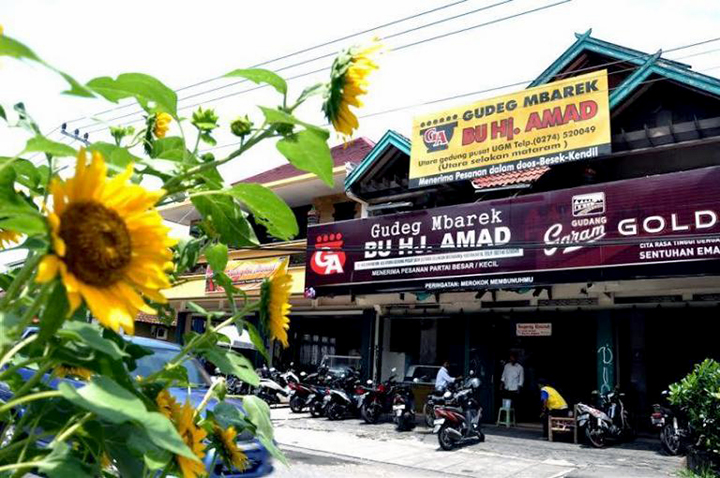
160	332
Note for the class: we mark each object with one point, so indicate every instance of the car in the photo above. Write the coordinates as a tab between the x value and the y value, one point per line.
259	459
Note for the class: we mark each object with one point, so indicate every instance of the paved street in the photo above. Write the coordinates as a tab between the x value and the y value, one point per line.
318	447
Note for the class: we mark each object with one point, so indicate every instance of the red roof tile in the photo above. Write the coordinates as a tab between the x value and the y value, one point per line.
504	179
355	152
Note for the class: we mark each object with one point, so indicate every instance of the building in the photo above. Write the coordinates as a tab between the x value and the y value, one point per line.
597	272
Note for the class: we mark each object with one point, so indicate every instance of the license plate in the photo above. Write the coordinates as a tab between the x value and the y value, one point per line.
658	421
398	407
438	423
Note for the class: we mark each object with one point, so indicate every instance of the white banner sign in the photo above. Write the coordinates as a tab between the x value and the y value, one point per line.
533	330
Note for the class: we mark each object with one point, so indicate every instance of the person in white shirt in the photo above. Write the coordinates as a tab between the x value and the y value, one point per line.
513	378
443	378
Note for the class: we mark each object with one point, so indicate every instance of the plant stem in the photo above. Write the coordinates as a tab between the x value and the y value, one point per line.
207	397
29	398
72	429
35	378
19	346
17	466
25	273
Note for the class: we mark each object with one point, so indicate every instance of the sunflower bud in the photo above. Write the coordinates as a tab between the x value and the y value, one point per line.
241	126
162	124
205	120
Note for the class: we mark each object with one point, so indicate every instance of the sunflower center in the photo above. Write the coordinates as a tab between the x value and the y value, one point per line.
97	242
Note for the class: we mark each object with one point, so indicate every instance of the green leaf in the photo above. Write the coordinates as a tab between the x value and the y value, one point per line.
54	314
308	151
258	413
274	116
171	147
9	332
259	75
155	458
227	219
255	338
316	89
61	463
2	113
267	208
217	256
115	404
187	255
231	363
40	144
115	156
13	48
18	213
26	172
150	93
228	415
91	336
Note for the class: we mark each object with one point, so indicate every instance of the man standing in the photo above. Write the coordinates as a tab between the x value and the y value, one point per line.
513	378
443	378
553	404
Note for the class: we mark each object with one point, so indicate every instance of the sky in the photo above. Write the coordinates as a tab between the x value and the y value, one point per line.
187	42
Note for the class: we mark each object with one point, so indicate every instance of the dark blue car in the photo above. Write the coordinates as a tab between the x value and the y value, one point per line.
259	460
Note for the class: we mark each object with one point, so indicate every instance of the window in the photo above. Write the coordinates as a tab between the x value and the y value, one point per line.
344	211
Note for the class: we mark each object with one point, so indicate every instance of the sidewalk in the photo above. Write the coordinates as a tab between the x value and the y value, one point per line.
505	453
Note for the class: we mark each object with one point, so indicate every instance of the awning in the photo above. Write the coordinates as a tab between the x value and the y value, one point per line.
240	341
525	176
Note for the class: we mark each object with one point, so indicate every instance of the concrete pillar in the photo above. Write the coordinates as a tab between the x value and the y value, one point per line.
606	353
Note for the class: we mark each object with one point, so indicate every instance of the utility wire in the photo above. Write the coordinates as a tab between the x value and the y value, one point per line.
437	37
298	52
494	88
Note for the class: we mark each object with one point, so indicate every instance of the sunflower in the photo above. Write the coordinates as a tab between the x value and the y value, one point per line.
348	81
162	124
193	437
109	244
7	238
62	371
275	304
167	405
227	447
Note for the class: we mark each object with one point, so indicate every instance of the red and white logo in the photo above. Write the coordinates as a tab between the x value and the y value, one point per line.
328	257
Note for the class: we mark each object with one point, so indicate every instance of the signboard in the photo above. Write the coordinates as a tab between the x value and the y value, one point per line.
533	330
560	122
665	225
246	274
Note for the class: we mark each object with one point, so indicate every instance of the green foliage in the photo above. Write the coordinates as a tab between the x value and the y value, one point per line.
259	76
115	414
699	395
267	209
150	93
308	150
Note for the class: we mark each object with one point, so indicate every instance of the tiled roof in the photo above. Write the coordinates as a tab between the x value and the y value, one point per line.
354	152
152	319
504	179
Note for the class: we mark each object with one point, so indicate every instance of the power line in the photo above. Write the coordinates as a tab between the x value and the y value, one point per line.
299	52
492	22
494	88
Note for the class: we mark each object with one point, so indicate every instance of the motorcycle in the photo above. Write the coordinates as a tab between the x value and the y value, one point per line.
610	421
273	387
300	393
376	401
674	429
344	400
459	419
404	408
436	399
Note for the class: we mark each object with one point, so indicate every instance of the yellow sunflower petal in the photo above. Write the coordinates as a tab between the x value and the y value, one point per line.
47	269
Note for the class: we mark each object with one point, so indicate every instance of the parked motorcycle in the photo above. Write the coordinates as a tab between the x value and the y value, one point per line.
344	400
300	392
376	401
673	426
436	399
610	420
404	408
273	387
458	420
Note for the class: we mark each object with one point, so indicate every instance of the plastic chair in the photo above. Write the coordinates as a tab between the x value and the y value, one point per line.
506	414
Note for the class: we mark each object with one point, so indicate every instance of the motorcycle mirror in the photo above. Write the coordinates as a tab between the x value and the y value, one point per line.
416	380
471	372
292	364
393	370
302	374
447	395
665	393
272	369
369	382
342	376
594	392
